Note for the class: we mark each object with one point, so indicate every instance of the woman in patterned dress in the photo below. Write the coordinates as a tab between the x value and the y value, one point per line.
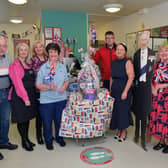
38	59
158	119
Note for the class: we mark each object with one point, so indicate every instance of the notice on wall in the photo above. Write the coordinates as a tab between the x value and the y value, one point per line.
52	34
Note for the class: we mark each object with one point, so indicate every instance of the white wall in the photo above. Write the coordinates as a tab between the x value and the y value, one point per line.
16	29
157	16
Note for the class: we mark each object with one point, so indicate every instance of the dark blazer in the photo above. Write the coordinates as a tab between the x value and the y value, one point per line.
142	92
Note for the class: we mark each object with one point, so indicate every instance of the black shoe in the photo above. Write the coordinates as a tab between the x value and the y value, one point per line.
136	139
27	146
31	143
1	156
61	143
144	147
9	146
116	137
159	146
121	139
49	146
165	150
40	140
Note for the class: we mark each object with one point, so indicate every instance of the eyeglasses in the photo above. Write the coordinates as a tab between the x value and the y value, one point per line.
109	38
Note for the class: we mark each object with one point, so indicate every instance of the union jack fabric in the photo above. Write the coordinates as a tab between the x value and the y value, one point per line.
158	118
160	73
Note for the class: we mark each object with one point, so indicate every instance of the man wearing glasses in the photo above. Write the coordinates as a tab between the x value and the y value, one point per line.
105	55
4	104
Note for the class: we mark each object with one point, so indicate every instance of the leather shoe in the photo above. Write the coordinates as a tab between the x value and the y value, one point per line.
40	140
1	156
136	139
159	146
31	143
122	138
49	146
144	147
116	137
9	146
165	150
27	146
62	143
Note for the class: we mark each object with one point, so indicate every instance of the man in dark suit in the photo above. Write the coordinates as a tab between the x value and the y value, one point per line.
142	95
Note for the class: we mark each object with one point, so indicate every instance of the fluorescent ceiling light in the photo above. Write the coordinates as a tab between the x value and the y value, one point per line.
112	8
18	2
16	20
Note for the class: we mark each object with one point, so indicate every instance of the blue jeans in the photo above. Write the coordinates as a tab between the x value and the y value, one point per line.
4	116
52	112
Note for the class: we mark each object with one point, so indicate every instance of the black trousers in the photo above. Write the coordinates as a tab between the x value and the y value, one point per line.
39	123
143	128
23	129
106	84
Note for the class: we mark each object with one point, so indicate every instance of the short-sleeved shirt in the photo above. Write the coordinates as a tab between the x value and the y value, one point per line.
60	76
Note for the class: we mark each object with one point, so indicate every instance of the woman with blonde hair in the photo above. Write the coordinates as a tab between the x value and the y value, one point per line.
158	118
22	94
39	57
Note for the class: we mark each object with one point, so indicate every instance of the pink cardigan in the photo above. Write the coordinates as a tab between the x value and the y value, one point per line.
16	73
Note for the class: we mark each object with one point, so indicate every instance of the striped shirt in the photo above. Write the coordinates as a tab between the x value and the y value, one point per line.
4	72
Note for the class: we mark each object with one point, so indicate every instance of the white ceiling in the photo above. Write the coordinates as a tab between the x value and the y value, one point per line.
31	11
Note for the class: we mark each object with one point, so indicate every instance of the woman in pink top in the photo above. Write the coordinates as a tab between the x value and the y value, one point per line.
39	57
23	102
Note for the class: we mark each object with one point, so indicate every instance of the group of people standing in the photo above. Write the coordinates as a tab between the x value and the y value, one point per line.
140	85
36	87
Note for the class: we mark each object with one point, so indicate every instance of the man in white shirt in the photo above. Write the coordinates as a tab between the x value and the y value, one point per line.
142	94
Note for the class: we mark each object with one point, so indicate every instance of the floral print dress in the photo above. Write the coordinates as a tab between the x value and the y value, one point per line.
158	118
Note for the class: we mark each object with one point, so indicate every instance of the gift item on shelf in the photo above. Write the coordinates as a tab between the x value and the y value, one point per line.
73	87
89	77
75	96
103	93
74	67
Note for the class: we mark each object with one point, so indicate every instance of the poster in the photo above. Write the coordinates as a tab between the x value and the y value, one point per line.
48	32
164	31
156	32
52	34
18	41
131	40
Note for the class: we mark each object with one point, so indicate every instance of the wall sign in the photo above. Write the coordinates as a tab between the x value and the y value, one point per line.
52	34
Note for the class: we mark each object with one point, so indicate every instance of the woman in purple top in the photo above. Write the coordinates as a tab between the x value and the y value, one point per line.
38	58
